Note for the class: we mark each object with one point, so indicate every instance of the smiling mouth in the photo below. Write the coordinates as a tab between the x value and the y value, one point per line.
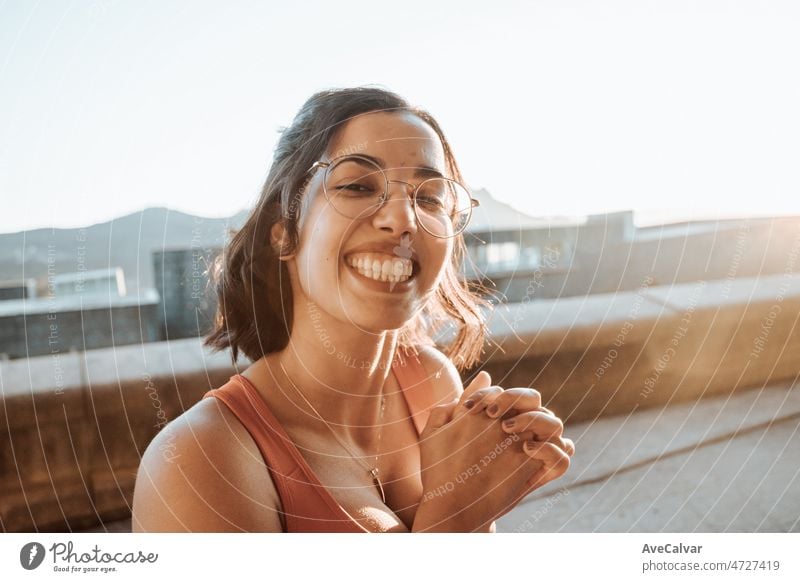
382	268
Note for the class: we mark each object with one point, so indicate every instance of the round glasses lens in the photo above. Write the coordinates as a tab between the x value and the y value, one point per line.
355	186
444	207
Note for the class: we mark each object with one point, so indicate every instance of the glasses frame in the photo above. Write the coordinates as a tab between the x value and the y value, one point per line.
385	194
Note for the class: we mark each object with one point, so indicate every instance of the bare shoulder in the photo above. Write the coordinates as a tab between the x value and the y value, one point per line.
443	374
203	472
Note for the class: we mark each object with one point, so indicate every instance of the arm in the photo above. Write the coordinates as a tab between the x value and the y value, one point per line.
204	473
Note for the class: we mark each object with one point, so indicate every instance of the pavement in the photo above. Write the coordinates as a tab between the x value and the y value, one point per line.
722	464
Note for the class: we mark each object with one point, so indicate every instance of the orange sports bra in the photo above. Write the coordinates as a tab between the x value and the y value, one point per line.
307	505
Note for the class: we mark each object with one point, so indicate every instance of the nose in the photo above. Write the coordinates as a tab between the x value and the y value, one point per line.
397	213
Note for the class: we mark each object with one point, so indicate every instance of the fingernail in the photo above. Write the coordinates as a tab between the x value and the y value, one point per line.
469	404
529	445
492	410
508	423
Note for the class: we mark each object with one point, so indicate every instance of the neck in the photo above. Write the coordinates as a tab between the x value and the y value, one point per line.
339	369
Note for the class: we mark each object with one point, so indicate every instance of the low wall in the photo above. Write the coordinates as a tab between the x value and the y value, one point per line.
615	352
78	423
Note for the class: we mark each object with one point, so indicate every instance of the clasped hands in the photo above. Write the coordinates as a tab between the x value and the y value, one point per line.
462	435
522	414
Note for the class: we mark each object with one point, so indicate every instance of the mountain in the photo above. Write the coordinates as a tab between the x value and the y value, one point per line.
126	242
495	215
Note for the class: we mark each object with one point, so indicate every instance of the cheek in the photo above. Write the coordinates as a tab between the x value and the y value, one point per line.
441	255
321	235
318	273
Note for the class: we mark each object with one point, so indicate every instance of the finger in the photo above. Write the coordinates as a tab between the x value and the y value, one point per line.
565	445
555	462
483	398
482	380
526	436
439	416
543	425
523	399
467	404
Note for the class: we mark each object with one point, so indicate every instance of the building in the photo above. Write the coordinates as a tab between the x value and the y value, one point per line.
522	258
19	289
55	325
188	303
96	283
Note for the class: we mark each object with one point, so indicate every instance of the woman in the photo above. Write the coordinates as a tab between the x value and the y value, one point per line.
349	419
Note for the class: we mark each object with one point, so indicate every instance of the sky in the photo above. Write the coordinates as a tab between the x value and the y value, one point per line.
677	110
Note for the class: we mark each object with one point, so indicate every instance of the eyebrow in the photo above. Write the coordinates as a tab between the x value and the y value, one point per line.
419	171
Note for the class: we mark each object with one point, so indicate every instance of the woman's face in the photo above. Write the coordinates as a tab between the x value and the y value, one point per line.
340	261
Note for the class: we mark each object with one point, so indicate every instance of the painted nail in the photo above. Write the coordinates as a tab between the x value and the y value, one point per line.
508	423
469	404
492	410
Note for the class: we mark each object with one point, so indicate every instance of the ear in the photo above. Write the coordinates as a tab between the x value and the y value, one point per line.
279	240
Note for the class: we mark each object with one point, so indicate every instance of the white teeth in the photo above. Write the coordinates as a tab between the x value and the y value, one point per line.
394	269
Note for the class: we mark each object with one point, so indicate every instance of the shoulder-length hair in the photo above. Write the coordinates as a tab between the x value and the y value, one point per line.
255	303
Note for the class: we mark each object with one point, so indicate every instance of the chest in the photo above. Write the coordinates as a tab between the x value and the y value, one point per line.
349	482
355	491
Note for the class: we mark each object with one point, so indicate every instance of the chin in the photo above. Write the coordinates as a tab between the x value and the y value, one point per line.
382	324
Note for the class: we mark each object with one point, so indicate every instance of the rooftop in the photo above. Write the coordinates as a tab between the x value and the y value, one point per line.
66	303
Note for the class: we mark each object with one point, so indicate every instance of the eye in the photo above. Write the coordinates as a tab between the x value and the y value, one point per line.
431	202
434	196
351	178
355	189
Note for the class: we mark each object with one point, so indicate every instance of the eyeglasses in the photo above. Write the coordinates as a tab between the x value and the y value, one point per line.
357	187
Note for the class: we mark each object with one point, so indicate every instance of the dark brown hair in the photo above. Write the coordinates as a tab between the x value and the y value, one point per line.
255	303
